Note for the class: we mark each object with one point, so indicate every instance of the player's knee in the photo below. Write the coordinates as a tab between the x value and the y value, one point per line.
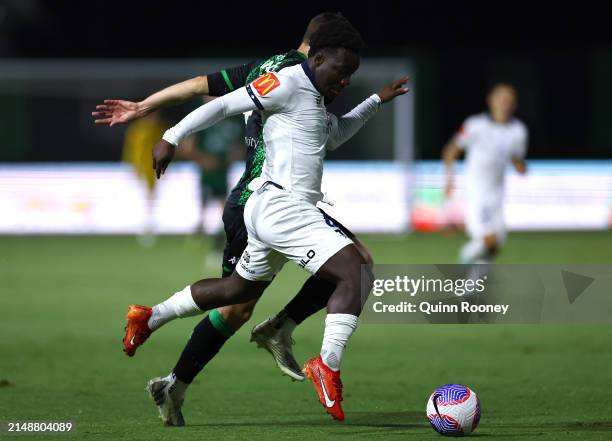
237	315
245	315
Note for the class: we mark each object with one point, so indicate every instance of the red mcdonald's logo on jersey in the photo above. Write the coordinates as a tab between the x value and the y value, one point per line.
264	84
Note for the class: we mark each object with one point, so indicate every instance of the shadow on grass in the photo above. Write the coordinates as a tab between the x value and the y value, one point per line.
380	420
590	426
373	424
581	426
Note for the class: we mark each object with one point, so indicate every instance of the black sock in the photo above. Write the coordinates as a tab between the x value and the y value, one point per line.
202	346
313	297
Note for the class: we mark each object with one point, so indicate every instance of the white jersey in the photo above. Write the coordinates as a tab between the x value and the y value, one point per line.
489	148
281	220
297	129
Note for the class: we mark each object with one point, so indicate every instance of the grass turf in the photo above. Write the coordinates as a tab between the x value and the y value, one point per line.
62	306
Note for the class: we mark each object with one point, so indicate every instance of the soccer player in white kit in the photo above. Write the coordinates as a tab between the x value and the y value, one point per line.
491	141
281	217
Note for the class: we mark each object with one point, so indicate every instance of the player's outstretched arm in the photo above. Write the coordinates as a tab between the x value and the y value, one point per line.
201	118
121	111
345	127
395	89
450	154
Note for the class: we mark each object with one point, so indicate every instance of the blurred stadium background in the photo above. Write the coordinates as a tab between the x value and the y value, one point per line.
69	208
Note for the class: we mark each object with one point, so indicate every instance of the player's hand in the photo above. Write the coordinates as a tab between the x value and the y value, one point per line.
520	166
392	90
116	112
163	152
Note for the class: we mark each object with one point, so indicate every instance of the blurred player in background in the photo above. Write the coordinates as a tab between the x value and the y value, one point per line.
137	151
210	334
213	151
491	141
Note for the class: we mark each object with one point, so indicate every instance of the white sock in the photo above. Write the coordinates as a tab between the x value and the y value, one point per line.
177	388
472	251
180	305
338	329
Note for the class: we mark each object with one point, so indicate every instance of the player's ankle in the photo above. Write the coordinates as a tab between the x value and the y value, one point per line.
178	387
179	305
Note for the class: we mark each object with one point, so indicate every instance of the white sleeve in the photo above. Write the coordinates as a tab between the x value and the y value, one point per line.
209	114
272	92
466	134
343	128
519	148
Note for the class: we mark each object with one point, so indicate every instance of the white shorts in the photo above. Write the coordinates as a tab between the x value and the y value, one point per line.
283	228
484	218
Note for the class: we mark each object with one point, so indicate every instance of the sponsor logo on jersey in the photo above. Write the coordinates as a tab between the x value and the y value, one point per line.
246	257
264	84
250	141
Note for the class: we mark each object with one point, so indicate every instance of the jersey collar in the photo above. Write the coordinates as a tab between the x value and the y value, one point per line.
490	118
310	75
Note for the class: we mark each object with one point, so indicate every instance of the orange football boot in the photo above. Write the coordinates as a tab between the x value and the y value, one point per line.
328	385
137	329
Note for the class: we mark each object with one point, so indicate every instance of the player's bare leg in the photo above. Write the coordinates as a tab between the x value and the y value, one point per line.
213	293
482	249
491	244
479	254
344	307
193	300
237	315
275	333
344	270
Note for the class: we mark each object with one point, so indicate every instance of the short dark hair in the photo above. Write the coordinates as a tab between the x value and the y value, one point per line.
493	87
335	34
316	21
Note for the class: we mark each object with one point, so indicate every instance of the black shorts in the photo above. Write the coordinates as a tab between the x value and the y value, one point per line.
236	236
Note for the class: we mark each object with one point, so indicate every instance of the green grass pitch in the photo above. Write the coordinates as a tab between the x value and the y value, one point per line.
62	307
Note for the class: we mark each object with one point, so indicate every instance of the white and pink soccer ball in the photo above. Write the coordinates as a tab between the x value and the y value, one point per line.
453	410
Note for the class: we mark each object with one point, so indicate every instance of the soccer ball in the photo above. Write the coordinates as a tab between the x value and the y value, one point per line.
453	410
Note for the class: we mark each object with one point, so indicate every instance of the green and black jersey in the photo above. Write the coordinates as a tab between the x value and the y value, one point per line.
227	80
